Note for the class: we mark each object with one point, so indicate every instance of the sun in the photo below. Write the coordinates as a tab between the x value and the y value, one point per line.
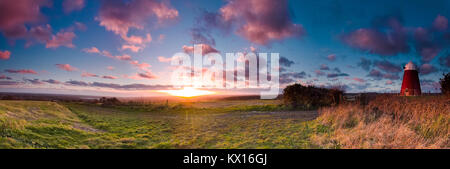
187	92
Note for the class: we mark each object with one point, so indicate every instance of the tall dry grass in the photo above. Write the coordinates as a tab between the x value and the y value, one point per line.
388	122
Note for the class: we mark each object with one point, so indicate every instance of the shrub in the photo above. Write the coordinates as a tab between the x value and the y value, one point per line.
445	84
297	95
109	101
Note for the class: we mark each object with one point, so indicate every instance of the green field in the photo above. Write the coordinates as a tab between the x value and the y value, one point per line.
228	124
386	122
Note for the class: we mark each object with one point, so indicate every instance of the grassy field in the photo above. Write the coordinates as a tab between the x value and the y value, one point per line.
239	124
383	123
388	122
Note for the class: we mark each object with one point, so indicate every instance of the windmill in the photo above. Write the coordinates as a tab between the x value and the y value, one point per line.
411	83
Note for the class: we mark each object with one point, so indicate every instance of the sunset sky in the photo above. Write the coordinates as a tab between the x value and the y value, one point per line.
123	47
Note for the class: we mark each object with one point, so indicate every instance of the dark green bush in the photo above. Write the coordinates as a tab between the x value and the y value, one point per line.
297	95
445	84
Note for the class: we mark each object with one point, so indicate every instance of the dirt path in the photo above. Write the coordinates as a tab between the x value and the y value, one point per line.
297	115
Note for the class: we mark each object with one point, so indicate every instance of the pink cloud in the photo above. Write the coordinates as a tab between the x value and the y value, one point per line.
21	71
120	16
110	67
161	37
319	73
261	21
440	23
137	39
91	50
87	74
66	67
132	48
5	77
123	57
164	59
43	34
61	39
331	57
5	55
80	26
205	49
73	5
14	14
143	66
359	80
40	33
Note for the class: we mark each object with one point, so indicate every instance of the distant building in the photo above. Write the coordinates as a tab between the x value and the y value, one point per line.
411	83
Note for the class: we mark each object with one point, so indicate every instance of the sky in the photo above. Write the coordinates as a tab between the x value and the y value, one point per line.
124	47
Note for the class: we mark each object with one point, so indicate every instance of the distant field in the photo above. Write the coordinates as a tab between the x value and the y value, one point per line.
386	122
36	124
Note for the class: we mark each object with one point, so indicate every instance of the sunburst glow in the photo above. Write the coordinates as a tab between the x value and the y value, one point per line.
187	92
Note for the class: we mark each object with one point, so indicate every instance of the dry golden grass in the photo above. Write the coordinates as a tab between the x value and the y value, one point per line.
388	122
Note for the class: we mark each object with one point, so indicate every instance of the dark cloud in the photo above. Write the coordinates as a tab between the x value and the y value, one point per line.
51	81
15	14
376	74
33	81
292	77
202	35
429	85
286	62
365	64
109	77
73	5
76	83
387	37
10	83
259	21
445	60
21	71
3	77
129	86
426	44
387	66
337	70
334	75
147	75
391	76
427	69
324	67
135	86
